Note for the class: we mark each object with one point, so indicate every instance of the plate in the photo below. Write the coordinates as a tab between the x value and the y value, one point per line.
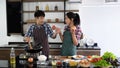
84	63
79	57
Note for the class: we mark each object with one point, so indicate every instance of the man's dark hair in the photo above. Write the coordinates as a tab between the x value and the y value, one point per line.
39	13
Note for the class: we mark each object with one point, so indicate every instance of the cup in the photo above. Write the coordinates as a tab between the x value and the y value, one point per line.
57	20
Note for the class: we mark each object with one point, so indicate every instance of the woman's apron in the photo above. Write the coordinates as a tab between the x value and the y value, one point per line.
41	39
68	49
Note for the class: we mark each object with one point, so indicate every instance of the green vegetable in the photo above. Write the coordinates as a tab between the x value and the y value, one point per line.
102	63
108	55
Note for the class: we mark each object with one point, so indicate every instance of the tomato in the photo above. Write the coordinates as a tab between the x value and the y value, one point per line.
53	27
96	59
30	59
89	56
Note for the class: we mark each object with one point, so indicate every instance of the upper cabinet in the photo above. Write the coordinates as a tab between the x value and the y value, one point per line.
14	17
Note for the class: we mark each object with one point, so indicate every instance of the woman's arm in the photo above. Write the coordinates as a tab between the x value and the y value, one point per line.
61	36
74	38
75	41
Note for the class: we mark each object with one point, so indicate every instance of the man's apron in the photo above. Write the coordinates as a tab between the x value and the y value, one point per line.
68	48
41	39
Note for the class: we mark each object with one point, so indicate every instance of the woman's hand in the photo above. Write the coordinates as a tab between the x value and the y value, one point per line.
57	29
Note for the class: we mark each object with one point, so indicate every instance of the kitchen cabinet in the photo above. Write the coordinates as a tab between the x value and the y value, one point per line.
14	16
54	50
5	51
88	51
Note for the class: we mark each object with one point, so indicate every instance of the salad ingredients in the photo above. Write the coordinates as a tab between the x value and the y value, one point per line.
102	63
108	56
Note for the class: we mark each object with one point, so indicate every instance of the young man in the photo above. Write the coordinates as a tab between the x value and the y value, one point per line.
40	31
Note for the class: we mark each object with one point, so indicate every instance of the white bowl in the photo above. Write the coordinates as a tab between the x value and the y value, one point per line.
42	58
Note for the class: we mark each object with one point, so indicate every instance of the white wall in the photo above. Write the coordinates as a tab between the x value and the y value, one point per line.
99	22
102	23
3	32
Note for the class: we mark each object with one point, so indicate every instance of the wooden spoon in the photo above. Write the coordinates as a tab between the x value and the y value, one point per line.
30	45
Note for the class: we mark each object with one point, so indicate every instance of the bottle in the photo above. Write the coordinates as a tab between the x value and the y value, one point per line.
12	58
47	7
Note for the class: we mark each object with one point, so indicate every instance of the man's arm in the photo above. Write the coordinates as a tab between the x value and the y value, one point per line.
50	32
28	34
26	39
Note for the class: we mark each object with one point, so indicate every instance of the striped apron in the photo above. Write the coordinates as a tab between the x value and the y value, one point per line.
41	39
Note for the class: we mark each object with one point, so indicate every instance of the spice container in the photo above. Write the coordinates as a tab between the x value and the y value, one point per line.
56	8
57	20
37	8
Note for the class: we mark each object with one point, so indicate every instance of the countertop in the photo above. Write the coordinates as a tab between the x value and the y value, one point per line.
56	46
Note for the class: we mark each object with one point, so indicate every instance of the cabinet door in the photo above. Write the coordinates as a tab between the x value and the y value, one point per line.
13	17
88	52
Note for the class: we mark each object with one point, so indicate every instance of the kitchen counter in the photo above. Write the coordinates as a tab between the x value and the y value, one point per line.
54	50
37	64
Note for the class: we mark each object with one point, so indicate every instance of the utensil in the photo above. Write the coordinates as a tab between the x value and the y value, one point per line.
30	45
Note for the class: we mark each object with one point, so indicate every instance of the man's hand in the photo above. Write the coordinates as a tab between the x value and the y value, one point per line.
27	39
53	27
30	45
57	30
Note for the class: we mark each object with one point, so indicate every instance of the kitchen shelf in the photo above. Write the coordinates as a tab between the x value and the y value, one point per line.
72	10
42	0
53	11
63	10
14	0
34	22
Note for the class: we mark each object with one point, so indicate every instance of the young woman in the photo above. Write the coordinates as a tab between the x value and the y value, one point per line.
71	35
